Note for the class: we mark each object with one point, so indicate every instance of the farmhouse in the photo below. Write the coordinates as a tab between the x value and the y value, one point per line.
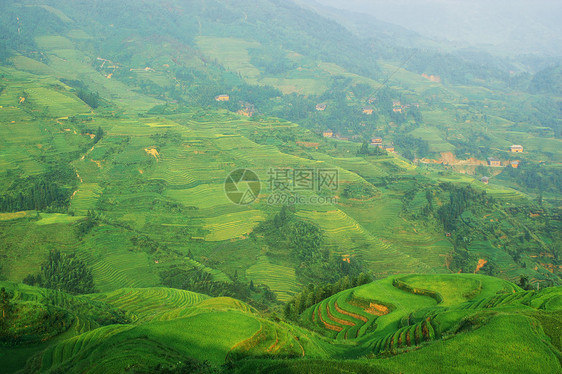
397	109
222	98
376	141
389	149
368	111
515	164
328	134
516	148
321	107
485	180
396	103
492	161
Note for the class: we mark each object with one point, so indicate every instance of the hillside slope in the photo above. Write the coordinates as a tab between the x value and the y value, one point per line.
415	321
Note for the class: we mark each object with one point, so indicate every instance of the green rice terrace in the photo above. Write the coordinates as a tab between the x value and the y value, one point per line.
386	326
211	187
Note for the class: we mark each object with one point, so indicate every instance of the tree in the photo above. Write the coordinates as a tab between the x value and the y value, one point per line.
64	273
364	150
524	283
5	302
99	134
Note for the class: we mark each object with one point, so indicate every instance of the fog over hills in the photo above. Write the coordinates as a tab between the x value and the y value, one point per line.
504	27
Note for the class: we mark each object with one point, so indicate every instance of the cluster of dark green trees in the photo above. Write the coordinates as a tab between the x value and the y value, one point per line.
362	191
48	191
305	242
366	150
272	62
63	272
460	198
285	229
5	304
411	148
315	293
84	226
93	99
535	178
38	195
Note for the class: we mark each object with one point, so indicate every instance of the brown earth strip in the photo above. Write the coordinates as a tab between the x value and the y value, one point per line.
271	347
356	316
377	309
328	325
338	320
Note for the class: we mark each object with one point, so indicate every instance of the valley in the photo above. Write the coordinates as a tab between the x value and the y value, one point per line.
119	129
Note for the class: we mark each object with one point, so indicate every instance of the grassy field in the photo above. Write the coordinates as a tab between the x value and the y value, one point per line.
401	323
156	184
231	52
114	265
281	279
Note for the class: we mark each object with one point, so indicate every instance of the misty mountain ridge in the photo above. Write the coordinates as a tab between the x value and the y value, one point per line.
506	28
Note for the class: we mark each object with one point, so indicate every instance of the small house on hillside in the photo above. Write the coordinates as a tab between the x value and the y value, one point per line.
376	141
492	161
485	180
397	109
222	98
516	148
396	103
328	134
389	149
368	111
515	164
321	107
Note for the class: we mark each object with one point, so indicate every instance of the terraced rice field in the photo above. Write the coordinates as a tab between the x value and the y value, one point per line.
150	303
216	274
384	316
16	215
68	349
113	265
348	237
57	103
270	339
56	218
339	228
434	138
32	66
53	42
344	320
358	165
202	196
232	53
232	226
281	279
85	198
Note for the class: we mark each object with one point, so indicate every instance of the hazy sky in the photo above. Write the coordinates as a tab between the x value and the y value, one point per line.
519	24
